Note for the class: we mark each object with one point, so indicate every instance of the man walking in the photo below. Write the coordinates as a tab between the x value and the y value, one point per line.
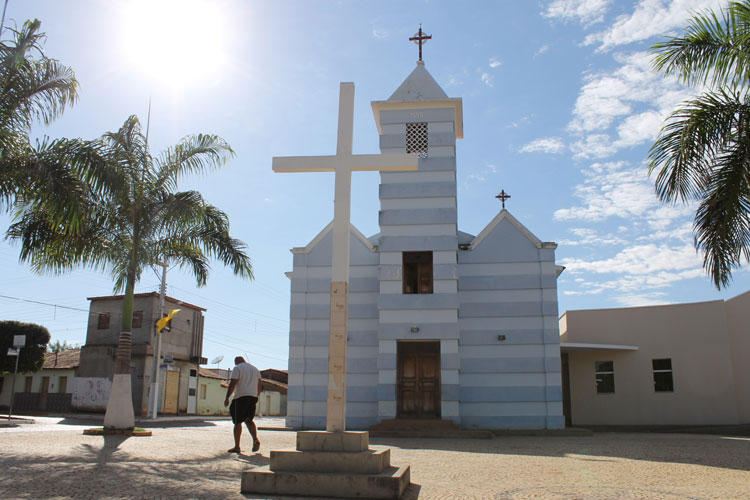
246	384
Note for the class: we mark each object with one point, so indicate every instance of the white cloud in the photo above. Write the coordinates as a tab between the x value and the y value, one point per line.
650	18
642	299
495	62
584	11
542	50
551	145
593	146
488	79
632	99
380	33
655	264
612	189
682	233
609	95
642	269
640	128
587	236
524	120
481	175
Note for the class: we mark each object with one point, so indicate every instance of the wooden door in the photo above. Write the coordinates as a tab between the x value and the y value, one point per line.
171	392
43	393
418	380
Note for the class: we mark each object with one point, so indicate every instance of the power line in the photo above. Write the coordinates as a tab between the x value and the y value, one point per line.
230	306
242	349
43	303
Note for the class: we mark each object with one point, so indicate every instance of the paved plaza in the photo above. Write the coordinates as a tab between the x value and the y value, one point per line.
52	459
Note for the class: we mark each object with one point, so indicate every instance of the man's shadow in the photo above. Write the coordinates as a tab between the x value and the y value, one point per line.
257	459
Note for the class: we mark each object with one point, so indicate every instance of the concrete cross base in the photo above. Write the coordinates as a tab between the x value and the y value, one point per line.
330	464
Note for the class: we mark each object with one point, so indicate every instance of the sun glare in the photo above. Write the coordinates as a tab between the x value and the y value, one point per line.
175	42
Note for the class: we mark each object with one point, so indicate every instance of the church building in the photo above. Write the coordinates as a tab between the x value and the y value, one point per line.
442	324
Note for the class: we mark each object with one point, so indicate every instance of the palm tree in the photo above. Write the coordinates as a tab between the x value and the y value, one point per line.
34	88
703	152
138	221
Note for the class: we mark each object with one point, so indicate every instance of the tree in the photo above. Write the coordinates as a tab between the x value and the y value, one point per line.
31	357
703	152
138	221
58	346
58	172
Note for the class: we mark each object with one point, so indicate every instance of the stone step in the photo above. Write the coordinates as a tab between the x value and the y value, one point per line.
414	424
435	434
365	462
390	483
333	441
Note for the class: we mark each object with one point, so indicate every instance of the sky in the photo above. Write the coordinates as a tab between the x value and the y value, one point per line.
560	103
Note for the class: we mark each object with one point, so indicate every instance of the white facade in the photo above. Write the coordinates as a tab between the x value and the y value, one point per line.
487	326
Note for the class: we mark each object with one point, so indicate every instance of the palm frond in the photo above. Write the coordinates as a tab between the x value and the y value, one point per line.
193	154
32	89
696	133
51	249
715	49
722	221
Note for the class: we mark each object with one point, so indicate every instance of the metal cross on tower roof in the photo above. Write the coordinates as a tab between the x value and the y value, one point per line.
420	38
502	197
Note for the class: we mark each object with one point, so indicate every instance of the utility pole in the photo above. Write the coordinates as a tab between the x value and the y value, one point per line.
157	340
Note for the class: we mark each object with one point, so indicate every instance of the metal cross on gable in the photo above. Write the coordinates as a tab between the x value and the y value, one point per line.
502	197
420	38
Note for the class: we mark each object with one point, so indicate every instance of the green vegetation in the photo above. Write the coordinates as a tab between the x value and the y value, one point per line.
138	220
703	152
31	355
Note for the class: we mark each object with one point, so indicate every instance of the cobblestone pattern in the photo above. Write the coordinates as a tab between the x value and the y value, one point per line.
189	461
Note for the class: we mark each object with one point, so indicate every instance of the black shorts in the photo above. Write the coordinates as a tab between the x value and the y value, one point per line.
242	409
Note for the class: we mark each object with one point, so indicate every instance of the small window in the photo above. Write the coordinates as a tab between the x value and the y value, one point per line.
203	391
416	139
103	323
663	381
63	386
605	376
191	391
27	387
417	272
193	372
137	319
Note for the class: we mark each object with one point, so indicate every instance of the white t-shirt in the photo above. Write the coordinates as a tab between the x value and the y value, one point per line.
247	377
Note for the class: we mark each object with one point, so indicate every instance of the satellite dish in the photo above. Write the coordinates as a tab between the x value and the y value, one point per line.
217	359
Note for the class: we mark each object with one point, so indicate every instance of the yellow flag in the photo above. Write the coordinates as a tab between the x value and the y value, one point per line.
163	322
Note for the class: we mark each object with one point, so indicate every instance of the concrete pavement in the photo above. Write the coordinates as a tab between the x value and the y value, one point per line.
51	459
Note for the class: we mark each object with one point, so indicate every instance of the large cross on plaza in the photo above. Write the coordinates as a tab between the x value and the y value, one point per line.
342	164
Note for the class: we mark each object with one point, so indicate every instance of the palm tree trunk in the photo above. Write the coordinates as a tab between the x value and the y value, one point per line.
119	413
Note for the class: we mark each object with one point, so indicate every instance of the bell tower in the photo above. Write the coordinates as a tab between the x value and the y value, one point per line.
418	358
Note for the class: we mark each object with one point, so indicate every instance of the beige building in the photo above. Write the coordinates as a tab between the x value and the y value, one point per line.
681	364
181	350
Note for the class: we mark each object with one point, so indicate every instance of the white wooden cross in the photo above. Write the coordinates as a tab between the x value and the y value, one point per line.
342	164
